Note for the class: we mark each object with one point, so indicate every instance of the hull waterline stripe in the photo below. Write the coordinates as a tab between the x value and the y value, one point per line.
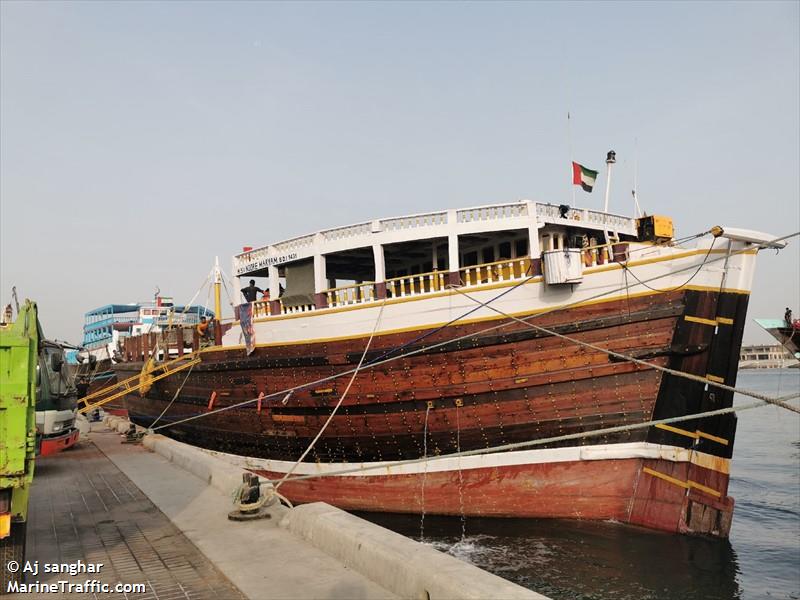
628	450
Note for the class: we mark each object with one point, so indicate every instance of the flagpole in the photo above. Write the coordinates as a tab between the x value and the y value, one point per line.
571	159
637	210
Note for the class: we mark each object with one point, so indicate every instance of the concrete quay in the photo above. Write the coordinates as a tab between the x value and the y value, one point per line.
310	551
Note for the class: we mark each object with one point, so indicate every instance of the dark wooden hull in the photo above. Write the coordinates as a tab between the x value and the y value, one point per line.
509	385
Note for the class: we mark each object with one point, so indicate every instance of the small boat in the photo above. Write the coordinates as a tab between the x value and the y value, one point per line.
787	332
487	347
107	326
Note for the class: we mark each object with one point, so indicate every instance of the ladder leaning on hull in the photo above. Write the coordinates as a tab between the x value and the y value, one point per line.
143	379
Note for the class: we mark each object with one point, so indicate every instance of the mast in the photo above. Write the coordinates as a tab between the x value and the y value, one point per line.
611	158
217	289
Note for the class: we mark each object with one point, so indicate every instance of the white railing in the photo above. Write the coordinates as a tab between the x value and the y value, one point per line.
292	310
351	294
502	270
294	244
414	285
414	221
263	308
349	231
597	218
491	213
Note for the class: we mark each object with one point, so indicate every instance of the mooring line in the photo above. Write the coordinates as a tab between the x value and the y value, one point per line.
338	404
691	376
539	442
466	336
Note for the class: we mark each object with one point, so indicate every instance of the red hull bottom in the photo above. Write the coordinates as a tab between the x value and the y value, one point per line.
53	445
624	490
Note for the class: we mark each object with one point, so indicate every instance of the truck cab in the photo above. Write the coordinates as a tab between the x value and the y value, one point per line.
56	400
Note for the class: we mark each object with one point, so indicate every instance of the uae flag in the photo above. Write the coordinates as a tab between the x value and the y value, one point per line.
583	177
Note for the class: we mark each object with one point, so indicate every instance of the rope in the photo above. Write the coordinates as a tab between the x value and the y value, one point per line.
338	404
177	393
542	441
638	361
627	269
378	362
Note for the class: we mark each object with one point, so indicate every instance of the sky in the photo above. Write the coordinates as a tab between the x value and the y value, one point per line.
139	140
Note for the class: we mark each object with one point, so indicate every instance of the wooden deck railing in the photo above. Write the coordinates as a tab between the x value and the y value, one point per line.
501	270
414	285
351	294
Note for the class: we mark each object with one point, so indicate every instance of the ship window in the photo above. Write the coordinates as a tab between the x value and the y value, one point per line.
521	247
504	250
470	259
488	255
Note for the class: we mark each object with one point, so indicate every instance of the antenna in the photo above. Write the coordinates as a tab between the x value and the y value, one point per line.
611	158
637	210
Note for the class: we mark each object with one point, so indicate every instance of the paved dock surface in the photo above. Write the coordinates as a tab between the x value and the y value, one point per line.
84	508
151	521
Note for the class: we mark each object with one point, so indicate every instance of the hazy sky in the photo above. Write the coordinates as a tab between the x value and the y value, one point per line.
138	140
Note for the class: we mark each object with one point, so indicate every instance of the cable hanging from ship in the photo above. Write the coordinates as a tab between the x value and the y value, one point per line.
341	399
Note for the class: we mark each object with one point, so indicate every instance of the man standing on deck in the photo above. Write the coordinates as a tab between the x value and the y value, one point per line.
251	291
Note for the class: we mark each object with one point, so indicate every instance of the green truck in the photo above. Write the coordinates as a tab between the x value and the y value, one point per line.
19	356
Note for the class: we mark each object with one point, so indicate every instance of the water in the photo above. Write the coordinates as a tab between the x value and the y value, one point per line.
569	560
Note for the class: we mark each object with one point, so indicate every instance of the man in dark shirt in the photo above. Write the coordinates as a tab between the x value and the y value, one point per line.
251	291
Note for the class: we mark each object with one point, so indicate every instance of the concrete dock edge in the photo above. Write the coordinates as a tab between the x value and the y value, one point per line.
401	565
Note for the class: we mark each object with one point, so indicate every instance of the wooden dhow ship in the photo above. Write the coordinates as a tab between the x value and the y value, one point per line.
471	362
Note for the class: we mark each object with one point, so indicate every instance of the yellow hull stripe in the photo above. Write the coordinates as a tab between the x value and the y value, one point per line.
712	322
435	325
533	280
694	435
713	438
701	320
499	285
684	484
